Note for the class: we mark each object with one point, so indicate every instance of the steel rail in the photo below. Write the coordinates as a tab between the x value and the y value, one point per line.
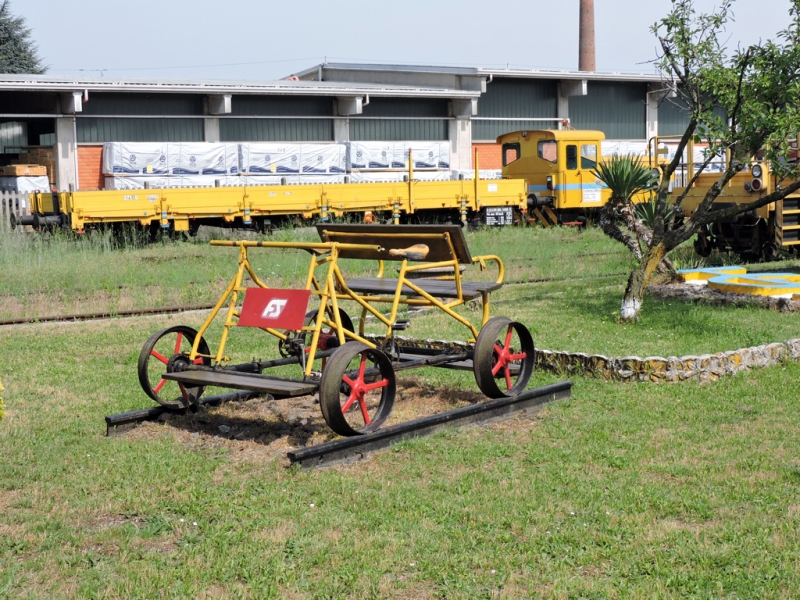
114	423
355	448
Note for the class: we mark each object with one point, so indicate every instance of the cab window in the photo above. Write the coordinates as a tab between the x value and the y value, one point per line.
548	150
589	156
511	153
572	157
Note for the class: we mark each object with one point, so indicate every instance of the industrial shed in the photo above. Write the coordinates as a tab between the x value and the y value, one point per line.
332	102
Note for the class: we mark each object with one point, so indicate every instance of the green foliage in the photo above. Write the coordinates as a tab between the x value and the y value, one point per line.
625	175
646	212
17	50
2	406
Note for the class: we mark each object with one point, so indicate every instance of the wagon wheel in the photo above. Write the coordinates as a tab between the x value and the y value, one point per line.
503	360
356	390
327	337
167	350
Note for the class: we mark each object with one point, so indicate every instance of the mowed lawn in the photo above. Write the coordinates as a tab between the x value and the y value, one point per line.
625	490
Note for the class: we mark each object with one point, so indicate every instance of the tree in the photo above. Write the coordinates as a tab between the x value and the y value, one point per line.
626	176
756	87
17	50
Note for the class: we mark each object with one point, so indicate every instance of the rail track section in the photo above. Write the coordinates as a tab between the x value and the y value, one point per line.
354	449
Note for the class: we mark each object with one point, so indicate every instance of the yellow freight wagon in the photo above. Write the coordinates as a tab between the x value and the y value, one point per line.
497	202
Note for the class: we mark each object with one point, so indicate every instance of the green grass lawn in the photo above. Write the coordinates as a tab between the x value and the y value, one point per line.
623	491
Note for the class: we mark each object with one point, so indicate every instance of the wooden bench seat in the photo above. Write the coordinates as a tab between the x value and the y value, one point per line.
436	288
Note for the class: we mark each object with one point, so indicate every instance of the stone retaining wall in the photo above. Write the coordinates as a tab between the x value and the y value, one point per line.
657	369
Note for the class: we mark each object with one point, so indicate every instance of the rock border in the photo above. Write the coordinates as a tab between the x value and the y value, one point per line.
652	369
656	369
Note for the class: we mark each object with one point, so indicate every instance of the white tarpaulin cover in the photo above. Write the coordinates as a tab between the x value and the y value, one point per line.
482	173
397	176
136	158
203	159
611	147
174	158
273	158
382	156
25	185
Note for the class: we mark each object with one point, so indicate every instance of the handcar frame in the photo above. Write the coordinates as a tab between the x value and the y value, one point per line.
355	378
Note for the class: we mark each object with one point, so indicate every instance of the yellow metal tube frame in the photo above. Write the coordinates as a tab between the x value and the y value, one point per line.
335	289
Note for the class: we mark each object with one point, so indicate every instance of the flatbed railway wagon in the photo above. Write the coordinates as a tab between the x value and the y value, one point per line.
494	202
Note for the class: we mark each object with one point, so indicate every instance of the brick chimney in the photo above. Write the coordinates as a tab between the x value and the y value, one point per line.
586	60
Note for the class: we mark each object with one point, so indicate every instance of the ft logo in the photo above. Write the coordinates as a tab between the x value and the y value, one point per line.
274	309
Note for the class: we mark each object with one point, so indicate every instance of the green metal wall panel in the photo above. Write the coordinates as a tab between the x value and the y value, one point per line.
405	107
397	130
13	134
280	106
95	130
276	130
615	108
526	98
143	104
520	98
673	117
488	131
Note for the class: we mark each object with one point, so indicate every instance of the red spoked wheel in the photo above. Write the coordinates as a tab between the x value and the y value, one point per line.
357	389
503	359
167	351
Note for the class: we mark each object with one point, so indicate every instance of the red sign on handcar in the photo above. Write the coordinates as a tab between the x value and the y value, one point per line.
275	308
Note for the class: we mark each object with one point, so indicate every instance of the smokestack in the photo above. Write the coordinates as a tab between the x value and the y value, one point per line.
586	44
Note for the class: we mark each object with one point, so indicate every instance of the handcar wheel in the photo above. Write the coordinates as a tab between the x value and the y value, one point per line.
357	389
163	352
503	359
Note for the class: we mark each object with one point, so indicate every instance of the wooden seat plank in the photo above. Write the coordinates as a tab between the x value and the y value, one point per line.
243	381
396	237
434	287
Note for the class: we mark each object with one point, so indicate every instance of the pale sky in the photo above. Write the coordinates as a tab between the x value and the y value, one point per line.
180	39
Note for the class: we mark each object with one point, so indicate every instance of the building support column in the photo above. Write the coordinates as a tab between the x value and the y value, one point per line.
567	88
341	130
459	132
66	154
211	129
656	94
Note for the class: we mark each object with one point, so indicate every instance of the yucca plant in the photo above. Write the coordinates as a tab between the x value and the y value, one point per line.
625	175
646	212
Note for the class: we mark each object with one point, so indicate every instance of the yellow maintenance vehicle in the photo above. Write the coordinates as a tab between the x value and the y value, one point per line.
558	166
756	234
493	202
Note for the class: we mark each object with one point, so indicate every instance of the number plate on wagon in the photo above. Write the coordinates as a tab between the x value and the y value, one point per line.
275	308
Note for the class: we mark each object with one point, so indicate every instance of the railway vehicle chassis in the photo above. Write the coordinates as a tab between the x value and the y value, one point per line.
353	372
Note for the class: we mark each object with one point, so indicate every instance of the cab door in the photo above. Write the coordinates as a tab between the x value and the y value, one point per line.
591	194
570	184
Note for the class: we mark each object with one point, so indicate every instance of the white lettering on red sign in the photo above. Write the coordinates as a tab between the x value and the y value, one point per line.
274	309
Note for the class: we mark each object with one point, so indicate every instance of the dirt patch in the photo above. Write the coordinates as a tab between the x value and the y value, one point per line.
261	428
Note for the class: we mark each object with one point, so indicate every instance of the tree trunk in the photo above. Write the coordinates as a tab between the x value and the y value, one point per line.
607	225
638	281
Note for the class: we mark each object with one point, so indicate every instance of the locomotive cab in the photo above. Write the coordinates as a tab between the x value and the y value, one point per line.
558	166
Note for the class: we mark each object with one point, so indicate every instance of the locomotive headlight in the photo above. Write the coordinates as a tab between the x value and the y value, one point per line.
757	170
756	185
747	187
549	182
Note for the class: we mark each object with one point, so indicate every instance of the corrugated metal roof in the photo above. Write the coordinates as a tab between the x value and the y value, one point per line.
212	86
487	71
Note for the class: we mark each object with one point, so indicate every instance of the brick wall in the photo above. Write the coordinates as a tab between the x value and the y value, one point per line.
90	168
489	156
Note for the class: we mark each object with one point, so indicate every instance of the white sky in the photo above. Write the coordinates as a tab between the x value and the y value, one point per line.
179	39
